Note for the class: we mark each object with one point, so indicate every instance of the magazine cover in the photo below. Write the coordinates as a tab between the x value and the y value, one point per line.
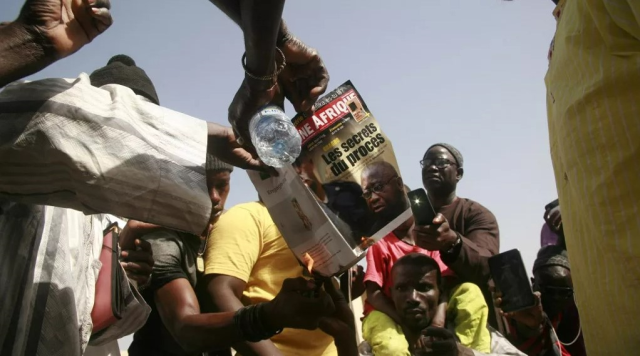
344	192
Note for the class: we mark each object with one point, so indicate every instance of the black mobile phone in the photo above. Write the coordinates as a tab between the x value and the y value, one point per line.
510	276
421	207
551	205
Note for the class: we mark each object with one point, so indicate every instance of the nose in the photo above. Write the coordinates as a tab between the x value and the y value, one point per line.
412	298
215	197
373	197
431	168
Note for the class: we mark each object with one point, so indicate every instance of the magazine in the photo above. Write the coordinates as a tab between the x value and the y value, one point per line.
344	192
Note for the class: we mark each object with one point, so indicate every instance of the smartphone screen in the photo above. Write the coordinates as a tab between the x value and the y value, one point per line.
510	276
421	207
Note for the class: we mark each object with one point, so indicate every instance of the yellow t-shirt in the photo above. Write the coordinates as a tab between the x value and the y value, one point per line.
593	103
246	244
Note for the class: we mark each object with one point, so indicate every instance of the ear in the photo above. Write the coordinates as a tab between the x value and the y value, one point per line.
460	174
400	183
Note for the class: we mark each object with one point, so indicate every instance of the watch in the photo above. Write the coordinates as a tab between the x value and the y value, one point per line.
455	245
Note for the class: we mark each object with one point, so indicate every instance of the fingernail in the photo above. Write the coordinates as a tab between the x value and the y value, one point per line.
125	253
137	242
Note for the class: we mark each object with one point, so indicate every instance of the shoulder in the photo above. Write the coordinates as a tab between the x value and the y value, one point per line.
384	243
253	209
42	89
474	208
164	242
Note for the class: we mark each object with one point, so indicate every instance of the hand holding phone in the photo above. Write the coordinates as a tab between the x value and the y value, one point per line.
510	277
421	207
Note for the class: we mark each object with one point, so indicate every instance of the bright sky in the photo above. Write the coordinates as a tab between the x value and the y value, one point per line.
465	72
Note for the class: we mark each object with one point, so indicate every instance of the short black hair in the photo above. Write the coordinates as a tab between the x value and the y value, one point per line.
421	261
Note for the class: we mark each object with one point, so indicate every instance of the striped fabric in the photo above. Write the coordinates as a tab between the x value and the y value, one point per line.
49	264
66	143
593	102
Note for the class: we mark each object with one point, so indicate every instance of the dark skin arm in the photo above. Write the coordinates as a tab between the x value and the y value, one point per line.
180	312
46	31
226	292
303	79
380	302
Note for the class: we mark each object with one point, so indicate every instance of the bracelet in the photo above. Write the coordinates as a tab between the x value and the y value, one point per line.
248	321
276	72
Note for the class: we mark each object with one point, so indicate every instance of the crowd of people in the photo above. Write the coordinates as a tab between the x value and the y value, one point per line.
78	155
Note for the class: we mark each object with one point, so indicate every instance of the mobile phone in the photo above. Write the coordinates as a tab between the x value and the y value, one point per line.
510	276
552	205
421	207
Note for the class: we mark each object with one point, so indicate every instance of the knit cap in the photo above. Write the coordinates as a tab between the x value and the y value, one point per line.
122	70
215	164
454	152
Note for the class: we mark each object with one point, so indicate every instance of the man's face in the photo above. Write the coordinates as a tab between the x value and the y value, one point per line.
556	288
439	170
218	183
384	192
415	295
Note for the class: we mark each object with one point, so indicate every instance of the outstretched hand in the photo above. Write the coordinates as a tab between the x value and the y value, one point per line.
66	25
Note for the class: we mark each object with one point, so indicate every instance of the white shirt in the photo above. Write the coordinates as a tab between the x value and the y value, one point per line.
68	144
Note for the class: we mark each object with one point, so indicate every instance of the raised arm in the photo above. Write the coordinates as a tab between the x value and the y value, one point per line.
46	31
302	80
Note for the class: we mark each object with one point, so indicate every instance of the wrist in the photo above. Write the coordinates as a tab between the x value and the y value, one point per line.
24	51
269	318
452	248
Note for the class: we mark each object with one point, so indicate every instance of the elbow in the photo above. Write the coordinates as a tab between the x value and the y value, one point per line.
185	339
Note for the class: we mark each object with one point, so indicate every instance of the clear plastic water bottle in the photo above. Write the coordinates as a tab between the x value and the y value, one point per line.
276	140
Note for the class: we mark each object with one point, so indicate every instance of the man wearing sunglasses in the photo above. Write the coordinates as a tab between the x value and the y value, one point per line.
465	232
552	327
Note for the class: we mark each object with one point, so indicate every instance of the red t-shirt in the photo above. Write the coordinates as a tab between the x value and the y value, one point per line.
381	257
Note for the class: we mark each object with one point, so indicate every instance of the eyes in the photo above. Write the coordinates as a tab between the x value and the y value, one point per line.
420	288
222	186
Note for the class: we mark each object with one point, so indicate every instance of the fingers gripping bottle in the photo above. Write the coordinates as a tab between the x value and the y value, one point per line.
276	140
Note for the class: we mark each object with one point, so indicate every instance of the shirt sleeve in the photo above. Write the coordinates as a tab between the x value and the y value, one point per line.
376	265
66	143
234	244
480	240
167	258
